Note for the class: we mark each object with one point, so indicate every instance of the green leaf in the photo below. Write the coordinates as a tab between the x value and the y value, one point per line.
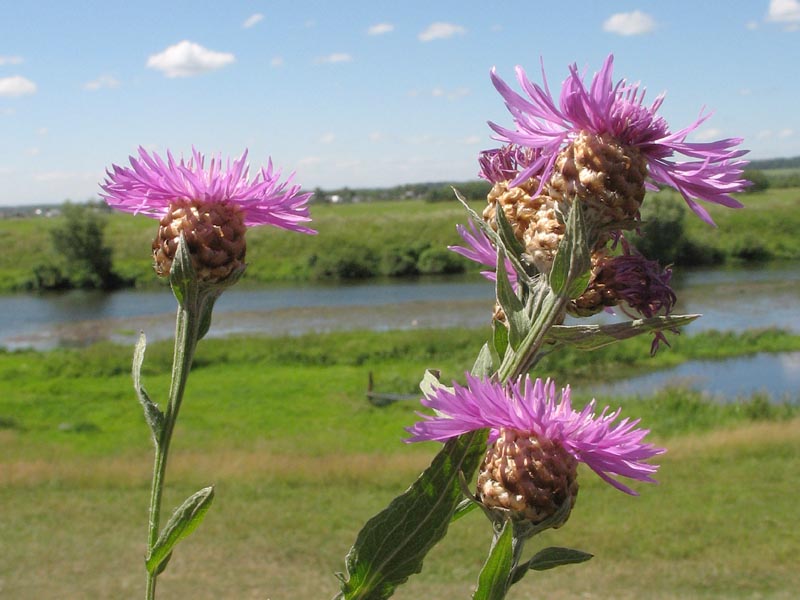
518	322
494	580
573	257
592	337
511	244
182	276
553	556
522	271
430	382
499	338
464	507
484	365
392	545
183	521
152	414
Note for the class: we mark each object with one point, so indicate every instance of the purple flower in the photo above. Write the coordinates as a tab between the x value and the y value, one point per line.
530	406
618	110
503	164
150	185
479	249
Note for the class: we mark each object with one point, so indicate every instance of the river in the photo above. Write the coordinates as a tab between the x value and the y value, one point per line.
728	299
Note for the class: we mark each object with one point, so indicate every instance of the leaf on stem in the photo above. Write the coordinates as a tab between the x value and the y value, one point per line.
552	557
152	414
484	364
182	276
570	273
392	545
494	580
592	337
518	321
183	521
522	271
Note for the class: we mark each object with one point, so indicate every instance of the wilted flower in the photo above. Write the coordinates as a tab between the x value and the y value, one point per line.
209	206
600	142
536	442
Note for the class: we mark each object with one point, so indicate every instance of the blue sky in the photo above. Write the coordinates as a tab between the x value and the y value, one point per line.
359	93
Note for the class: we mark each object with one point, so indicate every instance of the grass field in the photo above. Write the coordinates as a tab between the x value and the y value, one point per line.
301	459
378	237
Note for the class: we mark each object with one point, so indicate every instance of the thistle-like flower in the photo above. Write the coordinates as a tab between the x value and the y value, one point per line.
530	468
209	206
600	142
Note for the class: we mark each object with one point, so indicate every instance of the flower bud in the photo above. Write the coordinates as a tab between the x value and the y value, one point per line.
214	233
530	476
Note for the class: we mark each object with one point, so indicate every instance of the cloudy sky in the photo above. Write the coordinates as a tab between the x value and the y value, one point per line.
362	93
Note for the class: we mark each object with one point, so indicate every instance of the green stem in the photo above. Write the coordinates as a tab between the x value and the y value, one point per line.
186	334
520	361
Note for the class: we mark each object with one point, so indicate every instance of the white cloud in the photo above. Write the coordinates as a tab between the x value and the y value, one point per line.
440	31
33	151
453	94
42	131
104	81
705	135
471	140
376	136
10	60
11	87
252	20
336	57
186	59
752	25
764	134
786	12
786	133
276	62
380	29
327	138
632	23
309	161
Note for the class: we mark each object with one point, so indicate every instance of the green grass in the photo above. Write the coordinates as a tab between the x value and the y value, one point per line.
301	459
369	238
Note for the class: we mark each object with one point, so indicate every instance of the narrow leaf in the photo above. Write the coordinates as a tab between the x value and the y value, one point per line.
499	338
464	507
522	271
494	579
182	276
573	258
152	414
484	365
552	557
591	337
430	382
510	242
392	545
183	521
518	322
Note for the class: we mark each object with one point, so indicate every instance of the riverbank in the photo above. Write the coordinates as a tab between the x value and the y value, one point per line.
397	238
300	459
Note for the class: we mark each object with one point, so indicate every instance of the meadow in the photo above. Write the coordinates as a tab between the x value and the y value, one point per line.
398	238
301	459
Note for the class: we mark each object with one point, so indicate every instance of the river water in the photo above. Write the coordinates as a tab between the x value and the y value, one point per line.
732	299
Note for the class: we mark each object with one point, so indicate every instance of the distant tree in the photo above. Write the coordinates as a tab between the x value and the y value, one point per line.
758	178
79	240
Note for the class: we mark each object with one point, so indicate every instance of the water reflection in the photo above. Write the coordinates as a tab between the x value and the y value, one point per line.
777	375
728	299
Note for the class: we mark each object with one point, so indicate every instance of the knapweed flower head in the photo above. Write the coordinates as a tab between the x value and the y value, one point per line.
536	442
638	286
210	205
600	142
